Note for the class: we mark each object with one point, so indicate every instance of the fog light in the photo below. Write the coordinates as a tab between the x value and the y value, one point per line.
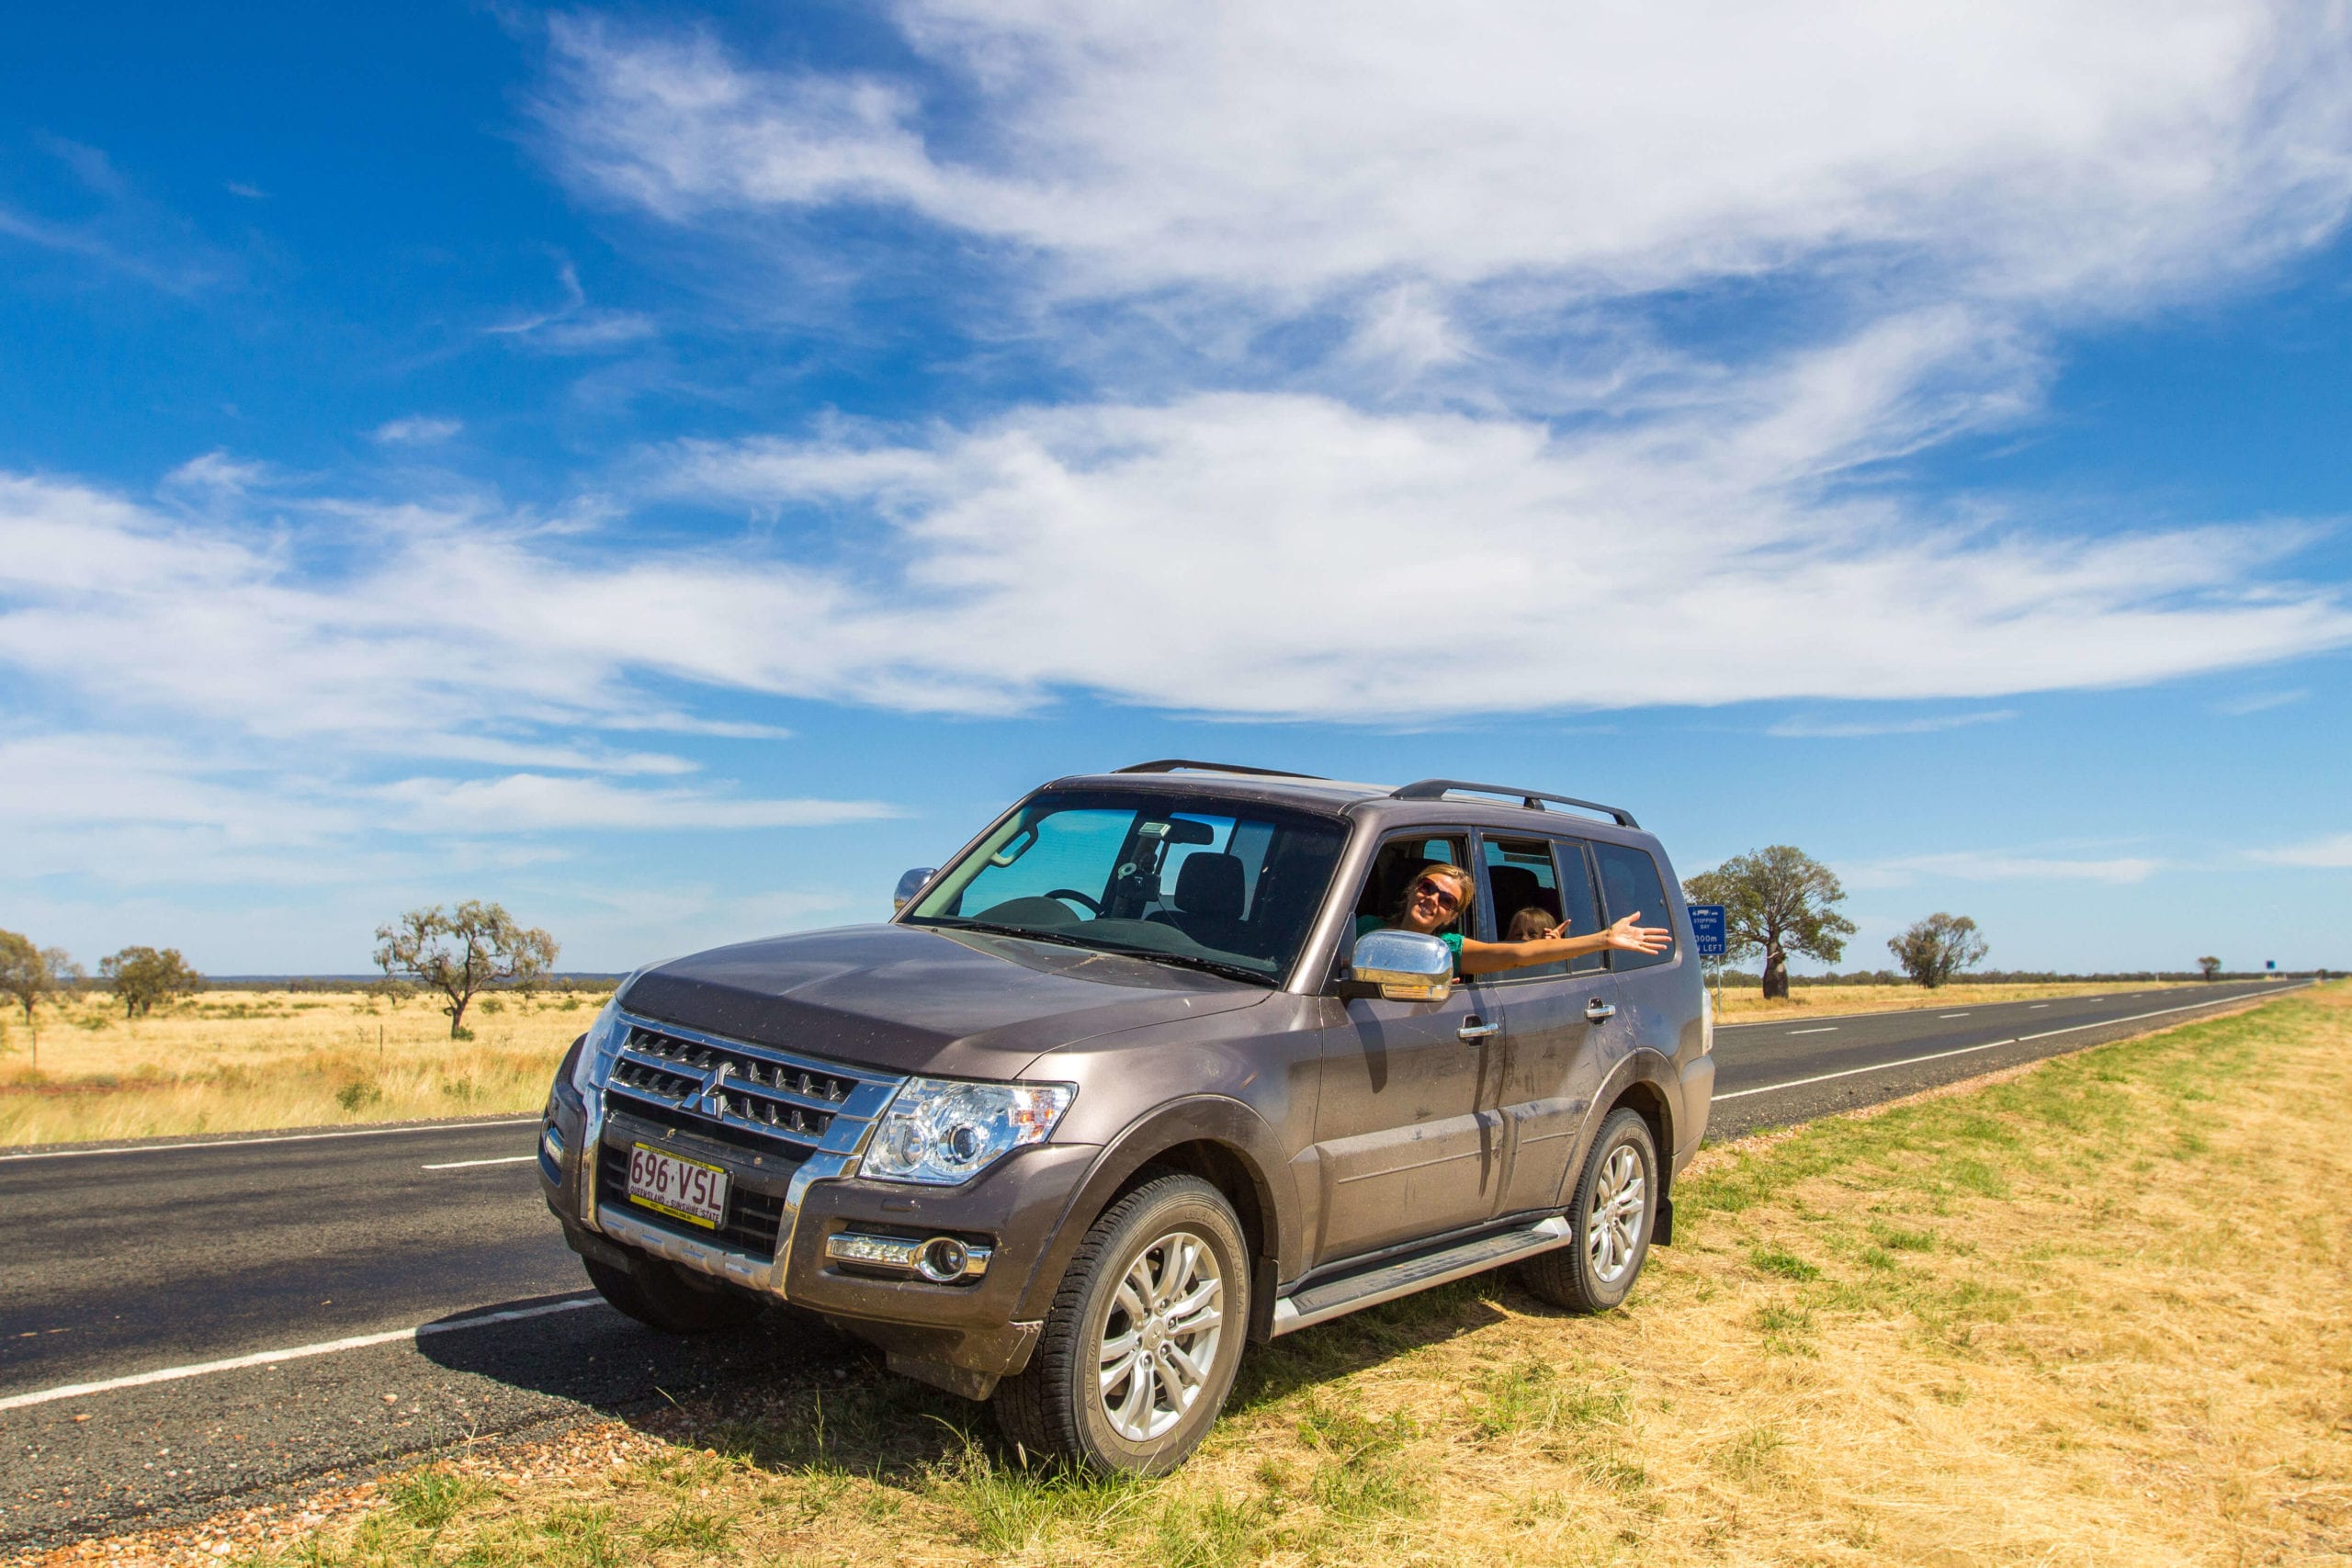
943	1259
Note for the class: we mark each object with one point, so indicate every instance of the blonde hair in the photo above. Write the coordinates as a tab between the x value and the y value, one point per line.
1536	919
1465	889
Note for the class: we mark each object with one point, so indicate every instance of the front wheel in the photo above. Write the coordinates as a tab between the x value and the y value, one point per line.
1614	1206
1144	1338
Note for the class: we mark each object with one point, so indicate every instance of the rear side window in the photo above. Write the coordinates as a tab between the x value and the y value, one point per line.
1522	895
1629	881
1579	902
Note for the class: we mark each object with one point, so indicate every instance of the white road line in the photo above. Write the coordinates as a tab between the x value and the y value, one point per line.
470	1164
293	1353
1988	1046
1825	1029
286	1138
2035	1006
1952	1015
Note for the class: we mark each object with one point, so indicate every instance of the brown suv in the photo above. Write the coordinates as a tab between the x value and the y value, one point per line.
1123	1087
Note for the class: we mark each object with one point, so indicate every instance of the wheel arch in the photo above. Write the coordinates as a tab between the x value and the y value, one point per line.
1221	1141
1642	1082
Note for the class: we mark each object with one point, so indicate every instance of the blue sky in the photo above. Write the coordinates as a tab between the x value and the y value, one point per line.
669	471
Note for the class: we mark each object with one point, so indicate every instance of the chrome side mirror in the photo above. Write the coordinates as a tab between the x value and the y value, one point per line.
909	884
1408	966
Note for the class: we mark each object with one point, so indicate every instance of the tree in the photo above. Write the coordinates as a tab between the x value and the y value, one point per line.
463	952
1778	900
143	976
30	972
2211	967
1939	947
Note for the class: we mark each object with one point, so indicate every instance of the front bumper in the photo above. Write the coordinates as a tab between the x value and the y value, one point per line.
960	1334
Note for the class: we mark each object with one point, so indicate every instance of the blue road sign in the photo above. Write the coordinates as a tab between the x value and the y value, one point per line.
1707	926
2270	966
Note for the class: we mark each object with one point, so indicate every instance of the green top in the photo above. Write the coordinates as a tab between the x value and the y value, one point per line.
1452	940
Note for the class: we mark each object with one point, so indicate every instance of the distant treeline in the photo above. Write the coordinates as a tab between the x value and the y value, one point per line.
561	984
2025	976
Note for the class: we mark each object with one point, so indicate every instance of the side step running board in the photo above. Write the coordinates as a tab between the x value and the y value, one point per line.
1335	1298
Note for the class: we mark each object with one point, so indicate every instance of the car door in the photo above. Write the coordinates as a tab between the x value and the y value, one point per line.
1408	1127
1560	1029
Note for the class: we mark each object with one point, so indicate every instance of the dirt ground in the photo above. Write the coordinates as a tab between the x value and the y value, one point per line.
2090	1313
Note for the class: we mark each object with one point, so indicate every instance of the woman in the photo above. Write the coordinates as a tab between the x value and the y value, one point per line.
1440	897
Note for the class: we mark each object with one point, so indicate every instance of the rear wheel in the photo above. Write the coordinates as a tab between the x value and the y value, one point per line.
1145	1335
1615	1204
655	1294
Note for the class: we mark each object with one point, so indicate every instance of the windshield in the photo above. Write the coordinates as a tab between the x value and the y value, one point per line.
1211	884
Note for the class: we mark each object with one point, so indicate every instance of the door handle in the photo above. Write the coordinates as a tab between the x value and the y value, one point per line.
1599	1011
1476	1028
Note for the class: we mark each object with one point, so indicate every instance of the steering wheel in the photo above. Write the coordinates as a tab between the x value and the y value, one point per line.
1075	896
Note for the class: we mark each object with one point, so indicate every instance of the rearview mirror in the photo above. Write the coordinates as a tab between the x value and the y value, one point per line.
1408	966
909	884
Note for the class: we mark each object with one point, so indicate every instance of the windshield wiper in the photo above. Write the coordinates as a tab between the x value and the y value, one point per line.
1029	933
1189	961
1182	960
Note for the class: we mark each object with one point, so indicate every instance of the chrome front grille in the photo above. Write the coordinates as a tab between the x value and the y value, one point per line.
791	1099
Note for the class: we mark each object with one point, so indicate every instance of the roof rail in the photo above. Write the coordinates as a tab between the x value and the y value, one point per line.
1185	764
1534	800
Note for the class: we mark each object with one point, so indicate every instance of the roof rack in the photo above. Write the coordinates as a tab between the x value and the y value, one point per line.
1534	800
1185	764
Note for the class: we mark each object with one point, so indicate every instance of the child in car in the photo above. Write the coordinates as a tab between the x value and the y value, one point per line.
1534	923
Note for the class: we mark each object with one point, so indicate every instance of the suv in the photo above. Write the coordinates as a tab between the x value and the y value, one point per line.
1122	1087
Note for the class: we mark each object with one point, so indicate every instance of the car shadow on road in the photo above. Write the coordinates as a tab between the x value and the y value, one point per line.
789	1394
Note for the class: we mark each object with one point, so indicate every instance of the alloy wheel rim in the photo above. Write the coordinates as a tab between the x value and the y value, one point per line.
1161	1335
1613	1218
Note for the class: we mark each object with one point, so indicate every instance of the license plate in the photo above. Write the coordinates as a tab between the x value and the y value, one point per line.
682	1189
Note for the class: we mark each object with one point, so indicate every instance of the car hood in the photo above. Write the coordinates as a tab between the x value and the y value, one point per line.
918	999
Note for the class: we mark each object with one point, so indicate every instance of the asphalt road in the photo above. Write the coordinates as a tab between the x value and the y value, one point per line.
418	1244
1790	1070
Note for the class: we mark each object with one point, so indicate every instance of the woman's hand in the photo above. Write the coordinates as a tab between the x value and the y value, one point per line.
1628	937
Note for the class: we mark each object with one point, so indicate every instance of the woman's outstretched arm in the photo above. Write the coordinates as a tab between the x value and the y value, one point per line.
1490	957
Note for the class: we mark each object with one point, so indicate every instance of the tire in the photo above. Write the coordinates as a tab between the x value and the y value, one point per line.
652	1292
1611	1219
1173	1247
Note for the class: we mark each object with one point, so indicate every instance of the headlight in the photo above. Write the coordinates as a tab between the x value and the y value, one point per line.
605	1038
940	1133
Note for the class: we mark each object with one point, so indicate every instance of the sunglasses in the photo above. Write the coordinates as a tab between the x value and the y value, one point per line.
1444	896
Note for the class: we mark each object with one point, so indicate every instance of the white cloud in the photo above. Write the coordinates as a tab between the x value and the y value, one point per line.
1996	866
1847	730
2259	702
538	803
574	326
2037	150
1247	555
416	430
2333	852
132	809
213	475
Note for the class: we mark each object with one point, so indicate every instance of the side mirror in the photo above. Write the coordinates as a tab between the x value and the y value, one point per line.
1408	966
909	884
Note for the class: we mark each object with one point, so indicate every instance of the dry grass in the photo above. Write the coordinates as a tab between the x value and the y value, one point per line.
1744	1005
2093	1313
238	1061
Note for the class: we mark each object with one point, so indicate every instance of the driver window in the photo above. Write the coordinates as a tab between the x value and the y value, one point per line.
1394	868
